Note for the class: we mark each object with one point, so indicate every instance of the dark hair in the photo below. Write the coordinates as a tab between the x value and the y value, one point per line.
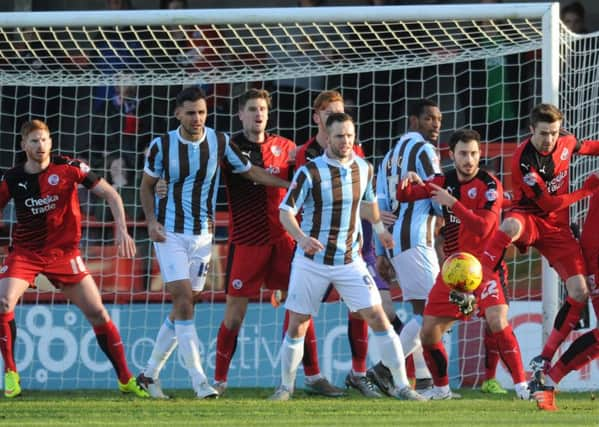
338	117
464	135
191	94
575	8
253	94
548	113
416	108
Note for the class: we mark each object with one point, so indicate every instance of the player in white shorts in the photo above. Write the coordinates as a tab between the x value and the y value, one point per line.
334	190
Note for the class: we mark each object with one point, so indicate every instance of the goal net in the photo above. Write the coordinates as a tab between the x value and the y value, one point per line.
106	87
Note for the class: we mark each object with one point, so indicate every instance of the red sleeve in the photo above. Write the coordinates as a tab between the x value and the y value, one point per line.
300	157
479	222
415	192
551	203
4	193
589	148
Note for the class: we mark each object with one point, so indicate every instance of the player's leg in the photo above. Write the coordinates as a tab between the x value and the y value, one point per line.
308	283
356	287
563	252
581	352
11	289
510	230
435	355
86	296
490	384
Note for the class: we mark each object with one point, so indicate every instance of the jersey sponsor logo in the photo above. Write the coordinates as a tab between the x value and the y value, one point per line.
39	206
564	155
53	179
557	182
472	193
491	195
22	184
530	179
237	284
276	150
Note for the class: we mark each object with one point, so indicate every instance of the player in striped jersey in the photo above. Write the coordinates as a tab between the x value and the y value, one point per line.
472	200
413	257
334	190
181	225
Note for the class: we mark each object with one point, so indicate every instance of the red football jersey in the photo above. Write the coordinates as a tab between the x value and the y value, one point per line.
47	205
476	215
254	208
534	174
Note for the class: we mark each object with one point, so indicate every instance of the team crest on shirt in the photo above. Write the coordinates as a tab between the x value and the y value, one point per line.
84	167
491	195
276	150
237	284
53	179
472	193
564	155
530	179
4	269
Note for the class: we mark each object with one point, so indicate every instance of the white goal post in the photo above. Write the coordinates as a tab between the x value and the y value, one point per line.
105	81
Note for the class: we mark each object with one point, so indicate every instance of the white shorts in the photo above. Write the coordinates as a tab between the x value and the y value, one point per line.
309	281
417	269
184	256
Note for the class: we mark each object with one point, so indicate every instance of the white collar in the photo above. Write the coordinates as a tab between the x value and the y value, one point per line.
187	141
337	163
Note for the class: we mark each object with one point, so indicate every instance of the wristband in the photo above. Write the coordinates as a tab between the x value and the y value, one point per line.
378	227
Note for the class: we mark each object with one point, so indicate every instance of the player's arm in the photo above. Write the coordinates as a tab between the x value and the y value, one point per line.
412	188
479	221
309	244
260	176
587	148
369	210
146	195
123	240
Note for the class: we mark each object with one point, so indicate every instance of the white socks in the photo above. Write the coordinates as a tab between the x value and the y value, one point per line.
166	342
292	352
392	356
410	342
189	347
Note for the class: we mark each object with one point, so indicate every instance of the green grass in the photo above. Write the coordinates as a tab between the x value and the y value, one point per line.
247	407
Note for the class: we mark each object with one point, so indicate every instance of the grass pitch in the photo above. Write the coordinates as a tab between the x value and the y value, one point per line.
249	407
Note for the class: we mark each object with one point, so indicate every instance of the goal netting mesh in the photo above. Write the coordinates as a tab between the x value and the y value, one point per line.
105	83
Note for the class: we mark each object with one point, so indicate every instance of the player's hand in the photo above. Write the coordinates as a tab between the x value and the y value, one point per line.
442	196
591	183
125	243
466	302
385	269
156	232
161	188
388	218
310	245
386	239
409	178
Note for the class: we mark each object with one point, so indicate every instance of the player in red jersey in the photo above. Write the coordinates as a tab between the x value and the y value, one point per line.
260	249
471	199
586	347
46	240
539	216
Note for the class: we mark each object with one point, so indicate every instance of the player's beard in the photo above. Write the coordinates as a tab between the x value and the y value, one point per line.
467	174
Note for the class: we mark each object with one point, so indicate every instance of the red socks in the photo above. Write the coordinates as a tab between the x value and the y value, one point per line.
566	319
111	344
491	354
493	252
509	349
580	352
436	361
7	337
226	344
357	331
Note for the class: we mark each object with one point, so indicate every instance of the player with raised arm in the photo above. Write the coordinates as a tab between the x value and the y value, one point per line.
334	190
471	199
260	250
586	347
46	241
413	256
181	225
539	215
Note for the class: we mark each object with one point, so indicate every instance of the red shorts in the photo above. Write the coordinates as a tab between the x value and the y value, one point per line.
250	267
488	294
59	267
554	241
